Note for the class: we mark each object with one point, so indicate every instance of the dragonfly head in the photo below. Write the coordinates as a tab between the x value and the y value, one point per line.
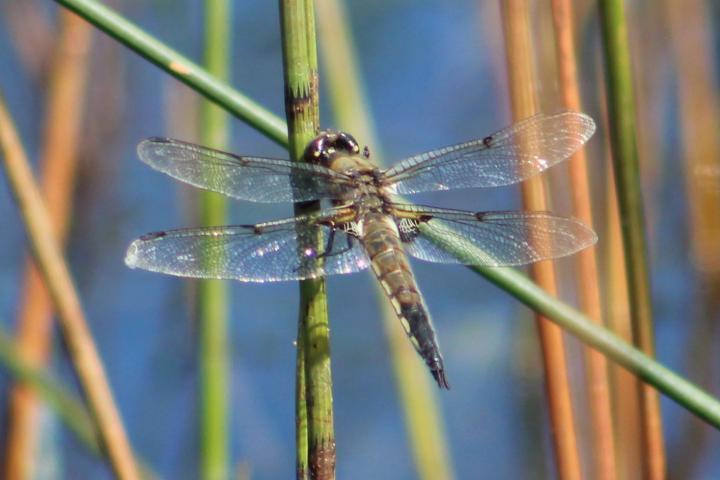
329	145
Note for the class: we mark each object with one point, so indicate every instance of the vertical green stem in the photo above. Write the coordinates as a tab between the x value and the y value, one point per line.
212	294
301	420
621	108
315	449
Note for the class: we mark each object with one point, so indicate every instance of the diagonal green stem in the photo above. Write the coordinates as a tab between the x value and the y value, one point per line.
212	294
180	67
674	386
512	281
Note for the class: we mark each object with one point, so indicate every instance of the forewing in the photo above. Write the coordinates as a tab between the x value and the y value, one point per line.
498	239
253	179
506	157
291	249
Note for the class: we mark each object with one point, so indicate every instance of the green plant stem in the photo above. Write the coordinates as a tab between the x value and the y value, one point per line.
302	470
623	141
212	294
316	452
674	386
180	67
512	281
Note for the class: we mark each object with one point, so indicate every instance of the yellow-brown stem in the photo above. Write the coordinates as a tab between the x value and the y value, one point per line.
59	159
58	280
519	56
598	391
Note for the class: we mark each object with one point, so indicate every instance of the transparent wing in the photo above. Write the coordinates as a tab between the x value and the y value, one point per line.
506	157
253	179
267	252
500	238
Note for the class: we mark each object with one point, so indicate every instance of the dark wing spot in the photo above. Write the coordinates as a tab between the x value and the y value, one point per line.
153	236
487	141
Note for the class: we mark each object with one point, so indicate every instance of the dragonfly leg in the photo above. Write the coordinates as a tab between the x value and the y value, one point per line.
329	246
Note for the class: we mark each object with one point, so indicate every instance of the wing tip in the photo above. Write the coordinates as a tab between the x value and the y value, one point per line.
592	238
586	236
589	122
145	146
590	235
131	256
584	120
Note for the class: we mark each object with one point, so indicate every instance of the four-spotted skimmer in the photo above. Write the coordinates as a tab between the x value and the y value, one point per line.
361	225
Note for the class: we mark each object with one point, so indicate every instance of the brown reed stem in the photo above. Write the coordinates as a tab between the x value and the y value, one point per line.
58	281
625	393
59	161
691	42
598	390
33	35
516	29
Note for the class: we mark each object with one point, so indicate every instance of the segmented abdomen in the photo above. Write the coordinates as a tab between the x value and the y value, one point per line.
384	248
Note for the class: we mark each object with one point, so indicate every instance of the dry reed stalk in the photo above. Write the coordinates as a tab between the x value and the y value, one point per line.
33	35
598	391
516	28
626	385
691	39
697	80
59	161
58	281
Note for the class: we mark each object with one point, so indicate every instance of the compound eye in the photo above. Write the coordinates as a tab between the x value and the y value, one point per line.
316	148
348	142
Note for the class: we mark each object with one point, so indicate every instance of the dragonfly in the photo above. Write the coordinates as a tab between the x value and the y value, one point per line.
361	221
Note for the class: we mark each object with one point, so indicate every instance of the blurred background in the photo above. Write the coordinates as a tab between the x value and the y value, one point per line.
434	74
